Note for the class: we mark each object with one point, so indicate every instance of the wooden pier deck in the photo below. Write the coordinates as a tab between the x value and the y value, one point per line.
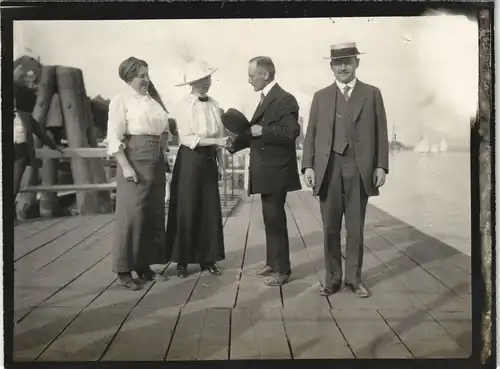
68	306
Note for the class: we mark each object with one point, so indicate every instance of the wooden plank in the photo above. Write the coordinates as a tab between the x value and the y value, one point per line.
258	332
409	272
303	287
85	289
89	335
313	334
221	291
173	293
71	187
25	246
86	338
56	248
214	340
244	341
253	292
31	227
35	333
422	335
369	336
144	336
186	339
458	325
70	265
310	229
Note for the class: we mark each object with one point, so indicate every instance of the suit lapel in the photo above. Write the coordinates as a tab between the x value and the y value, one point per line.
331	106
267	100
357	99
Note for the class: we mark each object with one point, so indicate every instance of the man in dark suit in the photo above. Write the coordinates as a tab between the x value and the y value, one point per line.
273	171
345	160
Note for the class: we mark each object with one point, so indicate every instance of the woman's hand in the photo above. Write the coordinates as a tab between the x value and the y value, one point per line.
130	174
220	173
222	141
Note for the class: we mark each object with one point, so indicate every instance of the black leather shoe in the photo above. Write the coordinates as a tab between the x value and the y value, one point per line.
181	271
267	270
278	279
128	282
212	268
359	289
330	289
150	275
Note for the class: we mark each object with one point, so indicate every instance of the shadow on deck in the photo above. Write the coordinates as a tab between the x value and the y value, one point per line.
68	306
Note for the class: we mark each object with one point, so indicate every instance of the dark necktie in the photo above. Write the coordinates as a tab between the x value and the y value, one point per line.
262	97
203	98
346	92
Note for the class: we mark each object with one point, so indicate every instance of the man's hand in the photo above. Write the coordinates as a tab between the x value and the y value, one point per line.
378	177
310	177
230	145
130	174
256	130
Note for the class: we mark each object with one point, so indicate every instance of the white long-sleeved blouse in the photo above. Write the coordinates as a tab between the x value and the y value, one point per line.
133	114
197	119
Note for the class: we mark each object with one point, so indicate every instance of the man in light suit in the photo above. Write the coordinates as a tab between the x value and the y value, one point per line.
271	137
345	160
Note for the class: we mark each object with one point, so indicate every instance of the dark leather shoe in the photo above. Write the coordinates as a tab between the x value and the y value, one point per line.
150	275
127	281
267	270
277	279
330	289
212	268
181	271
359	289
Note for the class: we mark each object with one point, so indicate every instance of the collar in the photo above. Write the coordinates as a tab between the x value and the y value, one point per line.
350	84
266	89
133	93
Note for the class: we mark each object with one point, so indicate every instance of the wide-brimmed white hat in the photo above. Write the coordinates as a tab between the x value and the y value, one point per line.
196	70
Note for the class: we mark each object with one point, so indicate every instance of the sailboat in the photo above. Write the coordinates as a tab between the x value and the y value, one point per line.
423	146
395	145
443	145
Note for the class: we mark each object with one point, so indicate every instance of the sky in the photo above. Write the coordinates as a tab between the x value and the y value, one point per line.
409	58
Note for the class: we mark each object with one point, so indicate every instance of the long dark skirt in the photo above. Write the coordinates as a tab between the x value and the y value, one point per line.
140	207
194	222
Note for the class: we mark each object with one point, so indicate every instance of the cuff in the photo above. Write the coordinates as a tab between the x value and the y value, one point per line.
114	146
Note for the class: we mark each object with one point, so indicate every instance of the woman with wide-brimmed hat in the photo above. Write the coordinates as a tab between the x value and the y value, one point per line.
194	224
137	128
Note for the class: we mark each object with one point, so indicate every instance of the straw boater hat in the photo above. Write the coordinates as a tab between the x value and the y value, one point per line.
196	70
344	50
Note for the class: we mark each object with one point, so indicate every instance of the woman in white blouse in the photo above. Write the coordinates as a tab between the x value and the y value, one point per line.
194	224
137	132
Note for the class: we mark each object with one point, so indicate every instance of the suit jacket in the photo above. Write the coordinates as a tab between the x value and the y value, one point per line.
371	145
273	158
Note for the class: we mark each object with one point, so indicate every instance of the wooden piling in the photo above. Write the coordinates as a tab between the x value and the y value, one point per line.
47	113
49	172
69	82
97	164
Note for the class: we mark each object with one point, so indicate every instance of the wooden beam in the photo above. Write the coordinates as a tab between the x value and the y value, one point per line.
71	187
80	152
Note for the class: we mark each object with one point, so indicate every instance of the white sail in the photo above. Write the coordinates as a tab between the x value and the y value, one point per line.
423	146
443	145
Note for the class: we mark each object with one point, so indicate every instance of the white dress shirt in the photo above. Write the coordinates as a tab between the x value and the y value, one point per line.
133	114
266	89
350	84
197	119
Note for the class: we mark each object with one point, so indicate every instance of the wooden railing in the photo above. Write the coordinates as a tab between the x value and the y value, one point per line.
231	171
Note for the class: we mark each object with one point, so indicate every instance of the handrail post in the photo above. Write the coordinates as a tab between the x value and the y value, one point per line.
225	179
